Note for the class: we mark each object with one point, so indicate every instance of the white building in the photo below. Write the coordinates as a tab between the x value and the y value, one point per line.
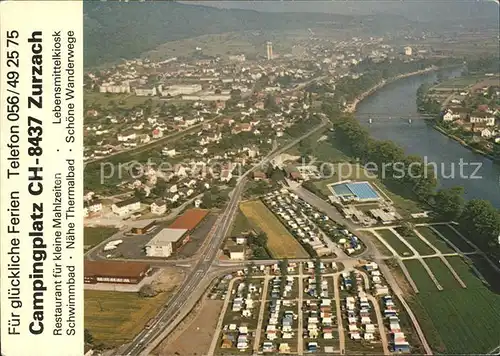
127	206
408	51
482	118
114	88
145	91
237	253
166	242
159	207
181	89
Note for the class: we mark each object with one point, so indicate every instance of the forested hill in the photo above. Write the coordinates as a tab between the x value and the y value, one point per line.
115	30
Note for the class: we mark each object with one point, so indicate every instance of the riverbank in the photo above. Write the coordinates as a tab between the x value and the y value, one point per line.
465	144
351	108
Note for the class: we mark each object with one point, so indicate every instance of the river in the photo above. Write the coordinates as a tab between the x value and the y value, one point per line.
391	108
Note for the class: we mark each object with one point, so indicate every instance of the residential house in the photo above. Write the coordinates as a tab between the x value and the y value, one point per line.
236	253
482	118
259	175
159	207
129	136
124	207
487	133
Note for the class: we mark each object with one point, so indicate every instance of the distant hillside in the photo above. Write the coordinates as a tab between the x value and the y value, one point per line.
124	30
116	30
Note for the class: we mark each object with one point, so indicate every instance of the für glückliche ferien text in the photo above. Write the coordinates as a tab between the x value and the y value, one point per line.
42	181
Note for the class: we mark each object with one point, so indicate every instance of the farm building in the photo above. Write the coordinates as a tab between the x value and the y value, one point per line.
166	242
114	272
189	220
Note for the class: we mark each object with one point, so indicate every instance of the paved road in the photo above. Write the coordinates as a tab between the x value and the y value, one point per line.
192	281
216	338
148	337
336	290
258	330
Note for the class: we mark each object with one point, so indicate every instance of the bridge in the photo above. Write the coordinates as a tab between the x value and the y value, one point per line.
391	116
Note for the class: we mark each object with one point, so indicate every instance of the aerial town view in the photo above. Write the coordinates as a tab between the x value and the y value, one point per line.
291	178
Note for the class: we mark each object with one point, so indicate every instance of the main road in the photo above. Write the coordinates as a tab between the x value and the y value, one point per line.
149	337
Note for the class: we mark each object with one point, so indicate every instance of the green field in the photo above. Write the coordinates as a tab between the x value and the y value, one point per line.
491	276
465	272
280	242
467	320
456	320
419	245
455	239
442	273
114	318
95	235
420	276
434	239
241	225
395	242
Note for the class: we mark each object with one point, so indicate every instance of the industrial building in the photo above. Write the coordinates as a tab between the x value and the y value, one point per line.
269	48
141	230
189	220
115	272
180	89
166	242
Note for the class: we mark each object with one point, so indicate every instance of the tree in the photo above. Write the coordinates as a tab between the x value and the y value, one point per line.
406	229
260	253
87	336
261	239
147	291
449	203
481	221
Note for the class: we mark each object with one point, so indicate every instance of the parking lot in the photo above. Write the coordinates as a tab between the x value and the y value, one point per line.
132	245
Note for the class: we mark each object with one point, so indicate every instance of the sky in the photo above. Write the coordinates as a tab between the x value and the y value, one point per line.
419	10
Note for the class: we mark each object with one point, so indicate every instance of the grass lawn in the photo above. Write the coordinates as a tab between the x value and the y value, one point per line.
456	320
420	276
241	225
442	273
126	101
434	239
467	320
280	243
491	276
455	239
95	235
465	272
115	318
419	245
395	242
460	82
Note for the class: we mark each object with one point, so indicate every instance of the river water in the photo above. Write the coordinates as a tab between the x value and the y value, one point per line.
391	108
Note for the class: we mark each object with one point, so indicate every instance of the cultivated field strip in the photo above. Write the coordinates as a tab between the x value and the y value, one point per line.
281	243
